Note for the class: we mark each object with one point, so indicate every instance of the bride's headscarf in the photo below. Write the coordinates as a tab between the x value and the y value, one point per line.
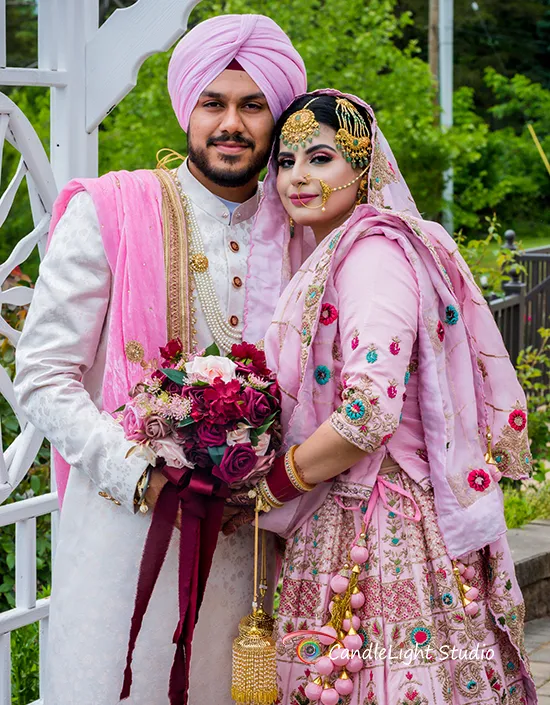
473	350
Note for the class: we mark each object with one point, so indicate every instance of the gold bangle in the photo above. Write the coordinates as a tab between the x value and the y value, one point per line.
293	474
267	494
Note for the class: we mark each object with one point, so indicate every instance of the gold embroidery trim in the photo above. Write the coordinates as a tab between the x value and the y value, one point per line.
180	314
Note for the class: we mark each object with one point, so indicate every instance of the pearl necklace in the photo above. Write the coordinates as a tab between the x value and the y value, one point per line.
224	334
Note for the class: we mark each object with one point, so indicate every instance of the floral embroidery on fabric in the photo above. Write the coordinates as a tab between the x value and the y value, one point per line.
313	295
336	354
355	340
394	346
382	175
387	438
392	388
322	374
372	354
451	315
358	409
518	419
511	452
440	331
479	480
305	334
421	636
329	314
360	419
413	366
407	377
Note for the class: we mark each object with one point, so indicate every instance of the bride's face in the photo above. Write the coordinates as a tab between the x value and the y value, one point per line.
299	187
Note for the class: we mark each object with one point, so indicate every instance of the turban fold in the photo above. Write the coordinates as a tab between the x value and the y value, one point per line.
256	42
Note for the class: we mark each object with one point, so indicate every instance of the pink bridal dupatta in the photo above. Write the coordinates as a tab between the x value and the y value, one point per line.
467	384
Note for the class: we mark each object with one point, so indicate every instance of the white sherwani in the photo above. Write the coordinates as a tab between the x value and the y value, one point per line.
60	363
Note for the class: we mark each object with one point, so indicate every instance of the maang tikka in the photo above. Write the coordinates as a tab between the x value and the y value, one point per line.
352	139
300	128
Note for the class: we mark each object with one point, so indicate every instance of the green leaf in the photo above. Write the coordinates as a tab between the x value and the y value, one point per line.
35	484
176	376
216	453
186	422
212	349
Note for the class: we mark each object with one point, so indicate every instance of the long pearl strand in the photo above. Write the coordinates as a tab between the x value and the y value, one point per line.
225	335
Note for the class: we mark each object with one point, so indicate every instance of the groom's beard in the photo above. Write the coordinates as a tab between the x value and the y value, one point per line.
228	178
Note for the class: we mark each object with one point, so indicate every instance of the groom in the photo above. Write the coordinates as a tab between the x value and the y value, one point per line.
134	259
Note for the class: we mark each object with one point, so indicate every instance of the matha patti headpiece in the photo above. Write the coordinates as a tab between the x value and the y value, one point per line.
301	127
352	139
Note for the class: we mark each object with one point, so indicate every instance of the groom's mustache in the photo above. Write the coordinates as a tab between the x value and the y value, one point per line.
238	139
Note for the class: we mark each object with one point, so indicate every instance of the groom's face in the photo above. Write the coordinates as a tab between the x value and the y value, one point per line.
230	130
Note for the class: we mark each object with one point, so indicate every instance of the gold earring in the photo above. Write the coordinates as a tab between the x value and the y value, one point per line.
291	223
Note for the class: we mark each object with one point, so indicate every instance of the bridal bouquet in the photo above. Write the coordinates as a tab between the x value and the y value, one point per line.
209	423
209	413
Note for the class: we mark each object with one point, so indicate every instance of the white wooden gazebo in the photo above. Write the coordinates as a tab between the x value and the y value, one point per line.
89	69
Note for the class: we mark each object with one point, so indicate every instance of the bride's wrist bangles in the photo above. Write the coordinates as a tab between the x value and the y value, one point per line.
283	482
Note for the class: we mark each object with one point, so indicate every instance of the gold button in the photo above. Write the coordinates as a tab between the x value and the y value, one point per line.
234	246
198	263
237	282
234	321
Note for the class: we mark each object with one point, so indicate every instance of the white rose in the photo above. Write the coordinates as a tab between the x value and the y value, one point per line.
168	449
207	369
240	435
263	444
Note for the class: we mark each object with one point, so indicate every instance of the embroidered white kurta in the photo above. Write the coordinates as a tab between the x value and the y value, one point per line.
60	366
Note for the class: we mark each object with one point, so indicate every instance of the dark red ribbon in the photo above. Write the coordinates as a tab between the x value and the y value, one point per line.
201	498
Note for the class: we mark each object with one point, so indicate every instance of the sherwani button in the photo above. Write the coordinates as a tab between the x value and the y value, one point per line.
237	282
234	246
234	321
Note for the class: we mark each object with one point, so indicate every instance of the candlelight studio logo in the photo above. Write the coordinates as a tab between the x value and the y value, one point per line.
409	655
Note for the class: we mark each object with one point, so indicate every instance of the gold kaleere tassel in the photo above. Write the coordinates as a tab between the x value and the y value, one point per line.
254	680
489	454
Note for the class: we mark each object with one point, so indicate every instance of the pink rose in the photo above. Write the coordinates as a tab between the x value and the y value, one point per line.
211	367
155	427
168	449
241	434
133	425
263	444
236	463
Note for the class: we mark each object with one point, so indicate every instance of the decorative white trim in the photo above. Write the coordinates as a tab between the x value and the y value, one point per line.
121	45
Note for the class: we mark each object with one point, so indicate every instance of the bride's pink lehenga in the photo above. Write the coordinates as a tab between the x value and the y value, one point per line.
383	332
412	599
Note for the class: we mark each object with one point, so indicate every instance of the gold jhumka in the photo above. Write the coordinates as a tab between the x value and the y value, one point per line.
254	680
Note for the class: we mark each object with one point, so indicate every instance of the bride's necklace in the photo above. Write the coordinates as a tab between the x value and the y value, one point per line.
225	335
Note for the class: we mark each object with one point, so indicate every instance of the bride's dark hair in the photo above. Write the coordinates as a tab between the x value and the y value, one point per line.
324	109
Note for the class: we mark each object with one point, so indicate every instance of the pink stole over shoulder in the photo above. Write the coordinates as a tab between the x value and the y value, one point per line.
129	210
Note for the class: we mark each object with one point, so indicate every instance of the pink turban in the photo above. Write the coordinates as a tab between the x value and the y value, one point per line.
256	42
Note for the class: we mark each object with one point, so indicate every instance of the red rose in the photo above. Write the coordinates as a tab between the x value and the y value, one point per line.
250	357
237	462
172	349
210	436
199	409
256	406
198	456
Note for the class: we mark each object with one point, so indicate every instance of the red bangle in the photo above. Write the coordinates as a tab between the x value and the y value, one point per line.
284	481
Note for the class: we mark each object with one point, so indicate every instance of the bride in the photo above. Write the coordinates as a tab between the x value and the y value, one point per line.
401	412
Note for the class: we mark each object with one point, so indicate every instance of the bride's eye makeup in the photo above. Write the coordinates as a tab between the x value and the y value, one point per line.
321	158
285	162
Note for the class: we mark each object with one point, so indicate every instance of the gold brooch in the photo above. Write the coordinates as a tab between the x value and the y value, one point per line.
134	351
198	263
300	127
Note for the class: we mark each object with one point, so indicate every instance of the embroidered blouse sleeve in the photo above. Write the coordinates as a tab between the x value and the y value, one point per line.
378	313
59	345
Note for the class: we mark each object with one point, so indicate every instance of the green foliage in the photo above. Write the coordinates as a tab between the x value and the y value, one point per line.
526	503
487	257
533	367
